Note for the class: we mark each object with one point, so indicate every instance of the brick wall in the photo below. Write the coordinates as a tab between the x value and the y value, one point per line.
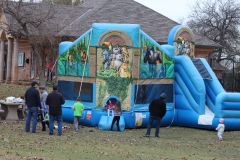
24	72
202	52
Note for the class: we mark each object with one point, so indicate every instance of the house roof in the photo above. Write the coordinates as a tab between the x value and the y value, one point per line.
156	25
75	21
217	66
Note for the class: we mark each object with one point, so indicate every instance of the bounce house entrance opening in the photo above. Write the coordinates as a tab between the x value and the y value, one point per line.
113	99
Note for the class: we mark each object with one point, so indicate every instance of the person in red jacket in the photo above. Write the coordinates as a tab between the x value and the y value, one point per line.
109	106
157	109
50	67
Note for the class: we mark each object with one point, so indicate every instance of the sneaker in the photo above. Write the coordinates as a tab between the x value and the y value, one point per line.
146	136
76	130
220	139
157	136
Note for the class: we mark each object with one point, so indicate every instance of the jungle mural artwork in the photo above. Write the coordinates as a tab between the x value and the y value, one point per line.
114	69
115	61
73	61
184	43
154	63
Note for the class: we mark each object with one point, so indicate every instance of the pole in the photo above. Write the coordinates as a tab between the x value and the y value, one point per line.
233	77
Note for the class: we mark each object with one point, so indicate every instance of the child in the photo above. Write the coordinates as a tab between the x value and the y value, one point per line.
117	112
109	107
220	128
43	115
78	109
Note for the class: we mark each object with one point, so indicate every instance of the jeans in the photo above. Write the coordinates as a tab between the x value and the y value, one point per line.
32	115
58	118
150	124
76	121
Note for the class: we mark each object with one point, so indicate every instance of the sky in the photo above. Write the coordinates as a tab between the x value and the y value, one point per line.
173	9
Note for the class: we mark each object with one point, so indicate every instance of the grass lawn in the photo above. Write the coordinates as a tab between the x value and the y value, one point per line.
174	142
7	90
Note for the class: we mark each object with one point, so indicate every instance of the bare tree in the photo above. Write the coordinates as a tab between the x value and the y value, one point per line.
36	21
218	20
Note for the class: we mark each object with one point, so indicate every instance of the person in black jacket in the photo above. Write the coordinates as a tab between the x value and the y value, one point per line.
54	101
33	103
157	109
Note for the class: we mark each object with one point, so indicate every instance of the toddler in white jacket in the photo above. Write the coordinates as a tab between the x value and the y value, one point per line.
220	128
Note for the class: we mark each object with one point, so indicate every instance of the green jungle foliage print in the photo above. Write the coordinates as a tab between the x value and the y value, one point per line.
101	94
74	61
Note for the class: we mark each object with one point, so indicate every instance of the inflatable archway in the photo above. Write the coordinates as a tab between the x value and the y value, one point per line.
121	61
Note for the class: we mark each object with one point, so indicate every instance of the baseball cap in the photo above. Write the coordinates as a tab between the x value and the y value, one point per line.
33	83
163	95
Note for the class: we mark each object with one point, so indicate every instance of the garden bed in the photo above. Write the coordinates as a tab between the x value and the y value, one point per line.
24	83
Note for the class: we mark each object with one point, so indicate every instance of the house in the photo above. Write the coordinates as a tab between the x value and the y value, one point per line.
16	56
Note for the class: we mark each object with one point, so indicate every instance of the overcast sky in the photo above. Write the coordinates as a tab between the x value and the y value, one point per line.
173	9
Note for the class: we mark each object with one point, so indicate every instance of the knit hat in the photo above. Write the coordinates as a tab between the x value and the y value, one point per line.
221	120
163	95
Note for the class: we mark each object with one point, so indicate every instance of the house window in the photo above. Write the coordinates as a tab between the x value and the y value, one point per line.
21	58
32	66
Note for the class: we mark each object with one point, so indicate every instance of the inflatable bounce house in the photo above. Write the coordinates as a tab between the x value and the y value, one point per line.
119	62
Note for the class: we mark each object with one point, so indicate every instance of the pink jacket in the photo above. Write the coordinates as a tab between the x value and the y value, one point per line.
109	106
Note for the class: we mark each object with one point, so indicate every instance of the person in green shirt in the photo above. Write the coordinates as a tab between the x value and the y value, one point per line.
78	109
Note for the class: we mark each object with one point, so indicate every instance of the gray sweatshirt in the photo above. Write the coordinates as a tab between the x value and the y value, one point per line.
116	113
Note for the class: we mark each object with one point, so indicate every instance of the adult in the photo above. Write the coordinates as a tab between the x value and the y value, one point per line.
32	100
43	97
49	73
157	109
54	101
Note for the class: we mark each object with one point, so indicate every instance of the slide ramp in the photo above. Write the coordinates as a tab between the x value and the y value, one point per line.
199	97
105	123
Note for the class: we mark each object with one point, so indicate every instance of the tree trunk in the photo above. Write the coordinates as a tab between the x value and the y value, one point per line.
219	57
39	67
37	53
